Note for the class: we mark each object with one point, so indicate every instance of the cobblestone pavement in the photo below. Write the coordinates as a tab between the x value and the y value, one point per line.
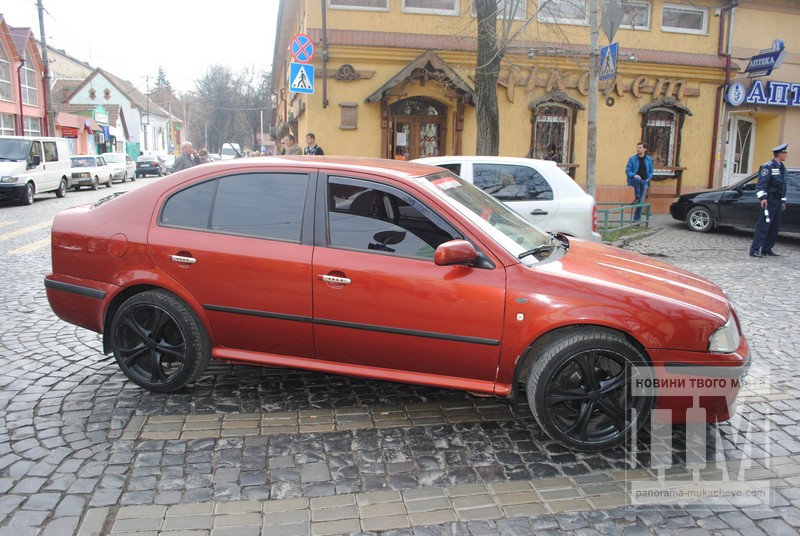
260	451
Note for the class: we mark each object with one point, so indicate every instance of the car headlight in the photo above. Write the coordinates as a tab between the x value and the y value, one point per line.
726	339
9	179
676	199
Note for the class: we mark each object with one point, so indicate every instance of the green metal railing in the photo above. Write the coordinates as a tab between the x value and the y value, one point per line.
616	217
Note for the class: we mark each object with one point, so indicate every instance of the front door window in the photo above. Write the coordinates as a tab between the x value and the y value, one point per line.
417	128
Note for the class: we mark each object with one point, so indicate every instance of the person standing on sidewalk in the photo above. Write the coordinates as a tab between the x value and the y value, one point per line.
771	192
639	171
290	146
311	146
186	159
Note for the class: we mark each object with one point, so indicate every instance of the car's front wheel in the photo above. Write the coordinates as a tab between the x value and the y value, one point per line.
95	183
158	341
62	188
110	182
699	219
27	195
125	177
580	389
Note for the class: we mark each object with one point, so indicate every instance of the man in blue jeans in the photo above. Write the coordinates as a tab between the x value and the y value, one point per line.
639	171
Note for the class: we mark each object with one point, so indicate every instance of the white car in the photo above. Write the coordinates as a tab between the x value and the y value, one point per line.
122	165
537	189
90	170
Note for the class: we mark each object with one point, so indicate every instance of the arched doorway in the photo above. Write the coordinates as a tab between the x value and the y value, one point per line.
418	128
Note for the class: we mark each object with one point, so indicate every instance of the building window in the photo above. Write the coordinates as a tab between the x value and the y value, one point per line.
636	15
373	5
564	12
33	126
551	133
5	76
7	125
30	95
508	9
661	136
436	7
685	19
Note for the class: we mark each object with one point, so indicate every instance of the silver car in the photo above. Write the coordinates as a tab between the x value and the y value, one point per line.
122	165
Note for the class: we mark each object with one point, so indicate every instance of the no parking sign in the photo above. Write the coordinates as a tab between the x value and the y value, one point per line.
302	48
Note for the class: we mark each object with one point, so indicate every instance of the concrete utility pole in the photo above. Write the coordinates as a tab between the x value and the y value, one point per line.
594	84
48	101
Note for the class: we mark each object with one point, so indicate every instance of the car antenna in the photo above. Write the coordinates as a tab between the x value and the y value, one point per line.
229	142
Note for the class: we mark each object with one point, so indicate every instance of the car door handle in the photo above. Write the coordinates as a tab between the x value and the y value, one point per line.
335	279
181	259
539	212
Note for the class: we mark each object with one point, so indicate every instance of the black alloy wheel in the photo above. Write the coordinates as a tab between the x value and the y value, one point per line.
158	341
580	389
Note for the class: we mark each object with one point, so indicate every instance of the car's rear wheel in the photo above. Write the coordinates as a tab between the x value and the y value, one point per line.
699	219
62	188
27	195
158	341
579	389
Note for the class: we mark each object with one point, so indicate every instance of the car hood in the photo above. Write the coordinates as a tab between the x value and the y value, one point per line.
627	276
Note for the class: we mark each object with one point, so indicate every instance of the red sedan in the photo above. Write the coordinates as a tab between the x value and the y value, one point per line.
395	271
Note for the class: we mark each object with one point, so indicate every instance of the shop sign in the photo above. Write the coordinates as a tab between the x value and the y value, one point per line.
69	132
773	93
762	64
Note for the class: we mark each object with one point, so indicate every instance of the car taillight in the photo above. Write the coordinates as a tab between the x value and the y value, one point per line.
594	218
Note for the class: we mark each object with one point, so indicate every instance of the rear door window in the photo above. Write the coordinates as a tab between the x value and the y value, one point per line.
511	182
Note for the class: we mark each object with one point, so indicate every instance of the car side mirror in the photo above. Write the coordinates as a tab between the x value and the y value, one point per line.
749	187
455	252
34	161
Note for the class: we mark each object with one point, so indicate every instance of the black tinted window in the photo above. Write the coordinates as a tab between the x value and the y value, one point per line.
269	205
511	183
793	182
190	207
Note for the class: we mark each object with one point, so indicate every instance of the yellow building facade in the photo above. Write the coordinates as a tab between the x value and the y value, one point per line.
395	79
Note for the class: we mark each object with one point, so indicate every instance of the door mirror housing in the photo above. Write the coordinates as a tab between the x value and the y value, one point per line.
34	161
455	252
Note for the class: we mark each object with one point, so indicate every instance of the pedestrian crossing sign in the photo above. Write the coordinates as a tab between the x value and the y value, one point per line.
301	78
608	61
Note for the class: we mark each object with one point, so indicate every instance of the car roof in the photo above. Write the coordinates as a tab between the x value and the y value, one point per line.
490	159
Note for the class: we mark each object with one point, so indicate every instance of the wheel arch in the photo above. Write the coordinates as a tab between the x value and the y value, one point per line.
533	352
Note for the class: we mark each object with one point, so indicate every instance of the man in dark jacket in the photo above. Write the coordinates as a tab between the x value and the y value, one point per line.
771	191
639	171
186	158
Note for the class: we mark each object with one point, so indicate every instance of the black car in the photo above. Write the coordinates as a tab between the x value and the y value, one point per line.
150	164
735	205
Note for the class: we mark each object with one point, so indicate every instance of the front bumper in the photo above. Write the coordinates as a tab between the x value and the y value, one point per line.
12	191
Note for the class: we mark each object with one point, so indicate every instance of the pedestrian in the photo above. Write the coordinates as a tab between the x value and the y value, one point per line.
640	172
311	146
185	160
771	192
202	156
290	145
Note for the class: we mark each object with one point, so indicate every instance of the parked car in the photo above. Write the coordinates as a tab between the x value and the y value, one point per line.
395	271
169	162
122	165
90	170
150	164
537	189
33	165
735	205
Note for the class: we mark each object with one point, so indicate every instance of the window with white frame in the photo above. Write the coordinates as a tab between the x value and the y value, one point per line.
635	15
564	11
685	19
5	76
7	125
33	126
30	93
508	9
373	5
436	7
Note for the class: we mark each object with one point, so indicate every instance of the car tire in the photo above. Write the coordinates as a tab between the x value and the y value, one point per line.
125	177
159	342
95	183
62	189
699	219
579	389
27	195
110	182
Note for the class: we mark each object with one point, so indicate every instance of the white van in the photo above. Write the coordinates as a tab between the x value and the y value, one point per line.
229	151
33	165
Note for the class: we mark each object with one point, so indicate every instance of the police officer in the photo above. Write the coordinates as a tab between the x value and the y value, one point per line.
771	191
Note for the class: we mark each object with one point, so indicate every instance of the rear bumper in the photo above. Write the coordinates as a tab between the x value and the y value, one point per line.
79	302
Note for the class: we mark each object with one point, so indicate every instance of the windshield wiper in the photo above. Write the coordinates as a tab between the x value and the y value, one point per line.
544	248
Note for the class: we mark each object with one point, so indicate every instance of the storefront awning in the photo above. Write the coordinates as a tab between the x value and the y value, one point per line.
428	66
79	122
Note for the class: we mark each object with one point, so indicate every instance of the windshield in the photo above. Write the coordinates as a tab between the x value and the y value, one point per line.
513	232
228	151
11	149
83	162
